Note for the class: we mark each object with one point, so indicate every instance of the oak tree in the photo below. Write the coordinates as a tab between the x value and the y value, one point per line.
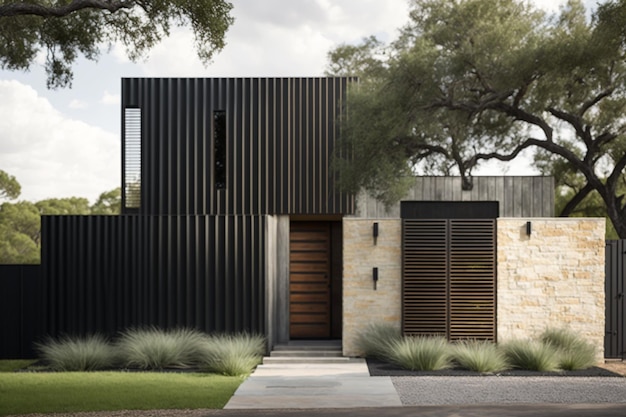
472	80
65	29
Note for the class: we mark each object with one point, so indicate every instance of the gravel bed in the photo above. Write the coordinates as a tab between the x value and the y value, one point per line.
381	368
444	390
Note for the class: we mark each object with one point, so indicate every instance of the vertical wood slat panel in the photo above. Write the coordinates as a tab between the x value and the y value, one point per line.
518	196
449	278
165	271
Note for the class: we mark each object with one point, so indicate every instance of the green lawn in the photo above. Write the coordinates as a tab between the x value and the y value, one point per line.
37	392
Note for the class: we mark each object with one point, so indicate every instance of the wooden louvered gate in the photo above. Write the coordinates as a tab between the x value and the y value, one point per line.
449	278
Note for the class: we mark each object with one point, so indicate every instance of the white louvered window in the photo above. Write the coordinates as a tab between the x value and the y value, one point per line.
132	158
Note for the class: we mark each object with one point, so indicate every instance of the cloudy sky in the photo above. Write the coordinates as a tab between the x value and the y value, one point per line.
64	143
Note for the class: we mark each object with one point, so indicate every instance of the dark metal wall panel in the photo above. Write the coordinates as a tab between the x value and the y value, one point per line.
615	323
107	273
517	196
449	209
20	310
280	136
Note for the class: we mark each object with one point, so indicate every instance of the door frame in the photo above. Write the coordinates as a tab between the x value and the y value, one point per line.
277	276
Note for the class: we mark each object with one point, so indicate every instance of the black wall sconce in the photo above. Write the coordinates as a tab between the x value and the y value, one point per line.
528	228
375	276
375	232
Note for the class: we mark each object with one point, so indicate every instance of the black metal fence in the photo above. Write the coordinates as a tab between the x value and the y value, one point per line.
107	273
614	286
20	310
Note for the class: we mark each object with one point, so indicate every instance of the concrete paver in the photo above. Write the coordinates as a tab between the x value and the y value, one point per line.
305	386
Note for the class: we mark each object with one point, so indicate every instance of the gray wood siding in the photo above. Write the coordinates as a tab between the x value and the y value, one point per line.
518	196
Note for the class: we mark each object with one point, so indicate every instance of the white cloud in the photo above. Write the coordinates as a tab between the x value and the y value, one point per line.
77	104
49	154
280	38
112	99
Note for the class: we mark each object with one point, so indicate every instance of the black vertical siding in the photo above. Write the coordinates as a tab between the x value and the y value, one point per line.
280	132
20	310
106	273
615	285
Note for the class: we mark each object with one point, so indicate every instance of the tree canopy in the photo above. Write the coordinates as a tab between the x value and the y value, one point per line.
472	80
65	29
10	189
20	222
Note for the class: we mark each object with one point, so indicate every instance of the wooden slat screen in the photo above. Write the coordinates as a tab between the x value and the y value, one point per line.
425	272
449	278
472	279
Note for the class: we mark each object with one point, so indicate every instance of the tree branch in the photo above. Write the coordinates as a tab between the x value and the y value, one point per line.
494	155
19	9
576	200
590	103
575	121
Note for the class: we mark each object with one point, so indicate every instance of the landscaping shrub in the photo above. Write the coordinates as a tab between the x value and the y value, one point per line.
420	353
376	339
153	348
77	354
531	355
574	352
232	354
480	356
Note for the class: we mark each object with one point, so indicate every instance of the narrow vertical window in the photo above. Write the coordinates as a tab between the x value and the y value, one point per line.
132	158
219	140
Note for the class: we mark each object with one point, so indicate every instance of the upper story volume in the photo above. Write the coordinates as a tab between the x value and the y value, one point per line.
231	145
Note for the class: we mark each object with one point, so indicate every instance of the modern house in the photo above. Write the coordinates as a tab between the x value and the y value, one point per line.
232	221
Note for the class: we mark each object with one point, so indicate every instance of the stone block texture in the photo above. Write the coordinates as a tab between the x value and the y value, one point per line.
552	278
362	304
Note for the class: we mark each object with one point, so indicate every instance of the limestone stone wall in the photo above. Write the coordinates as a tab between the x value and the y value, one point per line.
552	278
362	304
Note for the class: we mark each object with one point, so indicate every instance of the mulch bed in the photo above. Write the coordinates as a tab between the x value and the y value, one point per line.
381	368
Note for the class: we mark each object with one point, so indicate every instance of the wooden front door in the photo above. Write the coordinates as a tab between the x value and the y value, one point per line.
310	280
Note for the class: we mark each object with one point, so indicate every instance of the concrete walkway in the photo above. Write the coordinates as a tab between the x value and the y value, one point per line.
312	386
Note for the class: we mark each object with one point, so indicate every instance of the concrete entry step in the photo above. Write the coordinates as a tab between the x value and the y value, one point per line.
306	360
310	345
298	353
307	352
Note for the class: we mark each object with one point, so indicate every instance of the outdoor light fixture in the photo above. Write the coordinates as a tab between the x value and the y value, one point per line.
375	274
375	232
528	228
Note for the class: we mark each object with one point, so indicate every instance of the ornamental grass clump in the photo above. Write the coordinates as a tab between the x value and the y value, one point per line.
376	339
480	356
73	354
531	355
232	354
418	353
153	348
574	352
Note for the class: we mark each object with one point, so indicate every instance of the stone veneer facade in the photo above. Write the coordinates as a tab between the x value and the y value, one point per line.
362	304
552	278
